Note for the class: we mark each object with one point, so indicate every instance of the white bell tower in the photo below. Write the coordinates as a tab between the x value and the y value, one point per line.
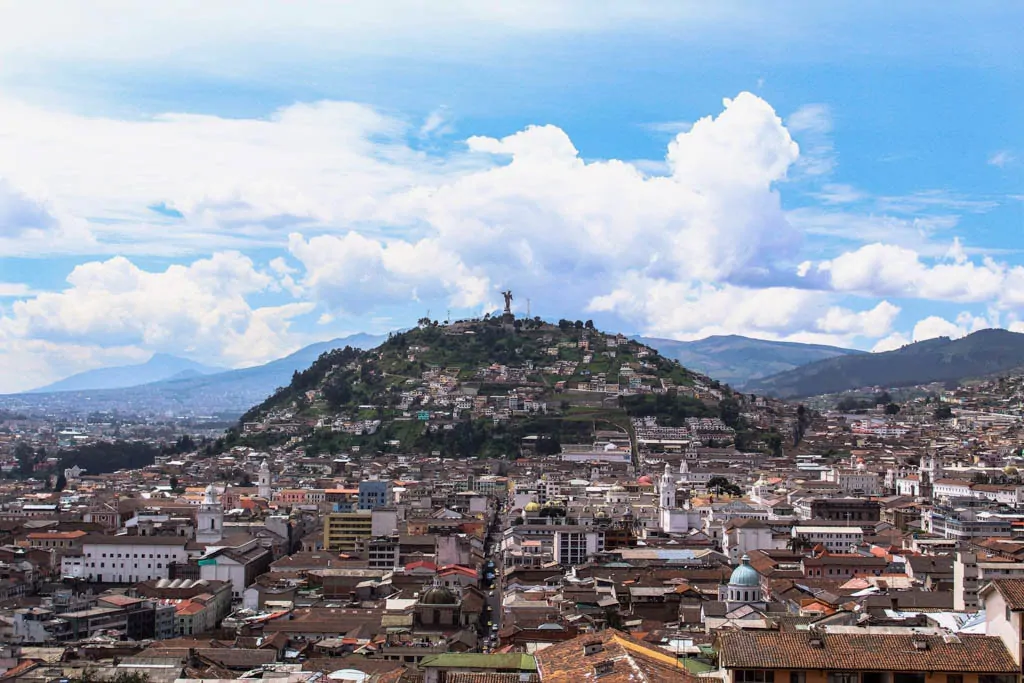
210	518
264	481
667	489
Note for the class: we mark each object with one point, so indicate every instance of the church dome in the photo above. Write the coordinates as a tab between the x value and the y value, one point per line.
645	481
532	507
745	575
617	489
438	595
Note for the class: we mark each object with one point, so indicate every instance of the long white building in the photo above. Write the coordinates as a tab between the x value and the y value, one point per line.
125	559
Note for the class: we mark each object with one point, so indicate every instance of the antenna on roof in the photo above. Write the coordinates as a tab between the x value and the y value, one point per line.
527	308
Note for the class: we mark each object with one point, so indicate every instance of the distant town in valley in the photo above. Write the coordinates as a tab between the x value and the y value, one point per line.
515	499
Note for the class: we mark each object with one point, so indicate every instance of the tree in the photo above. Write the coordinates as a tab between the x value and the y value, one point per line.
61	482
26	458
548	446
883	398
722	485
589	324
892	409
91	676
798	544
578	324
729	411
943	412
174	483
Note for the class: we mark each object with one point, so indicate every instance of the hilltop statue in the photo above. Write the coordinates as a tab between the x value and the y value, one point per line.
508	302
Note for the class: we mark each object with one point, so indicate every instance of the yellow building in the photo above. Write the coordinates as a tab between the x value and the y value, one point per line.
342	530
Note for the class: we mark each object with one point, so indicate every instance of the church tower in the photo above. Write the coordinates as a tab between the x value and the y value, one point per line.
210	518
667	489
264	481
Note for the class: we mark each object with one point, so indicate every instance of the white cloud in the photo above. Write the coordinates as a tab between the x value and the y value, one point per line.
14	289
669	127
889	270
839	193
890	343
871	323
438	123
200	309
321	162
935	326
811	124
355	274
694	311
1002	158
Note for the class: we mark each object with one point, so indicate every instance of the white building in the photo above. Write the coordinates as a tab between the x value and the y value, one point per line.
125	559
575	546
856	480
674	519
743	536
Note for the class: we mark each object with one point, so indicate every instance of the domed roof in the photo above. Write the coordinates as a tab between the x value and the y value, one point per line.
532	506
745	575
644	479
438	595
617	489
601	514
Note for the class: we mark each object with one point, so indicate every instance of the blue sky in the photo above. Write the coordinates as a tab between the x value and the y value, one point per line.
230	184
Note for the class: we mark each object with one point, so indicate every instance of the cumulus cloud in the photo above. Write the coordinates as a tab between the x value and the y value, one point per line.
355	274
888	270
201	309
693	311
890	342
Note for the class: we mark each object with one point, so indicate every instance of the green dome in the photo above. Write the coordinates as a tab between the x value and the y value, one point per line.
745	575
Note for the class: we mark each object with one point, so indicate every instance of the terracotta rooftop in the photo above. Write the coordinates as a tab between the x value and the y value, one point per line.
867	651
1012	591
614	657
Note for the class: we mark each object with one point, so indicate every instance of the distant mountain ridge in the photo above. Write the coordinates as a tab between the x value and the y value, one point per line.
161	366
223	392
738	360
982	353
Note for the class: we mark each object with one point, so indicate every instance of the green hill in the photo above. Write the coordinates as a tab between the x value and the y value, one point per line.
479	388
979	354
738	360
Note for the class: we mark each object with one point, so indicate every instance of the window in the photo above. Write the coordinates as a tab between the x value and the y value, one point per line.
754	676
954	678
797	677
997	678
843	677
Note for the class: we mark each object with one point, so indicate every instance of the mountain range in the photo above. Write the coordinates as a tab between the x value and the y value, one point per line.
986	352
229	392
738	360
160	367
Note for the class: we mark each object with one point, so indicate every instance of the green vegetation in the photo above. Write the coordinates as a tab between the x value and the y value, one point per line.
981	354
489	359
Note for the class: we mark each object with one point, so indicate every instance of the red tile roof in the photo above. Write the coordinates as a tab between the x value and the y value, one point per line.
867	651
1012	591
621	658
